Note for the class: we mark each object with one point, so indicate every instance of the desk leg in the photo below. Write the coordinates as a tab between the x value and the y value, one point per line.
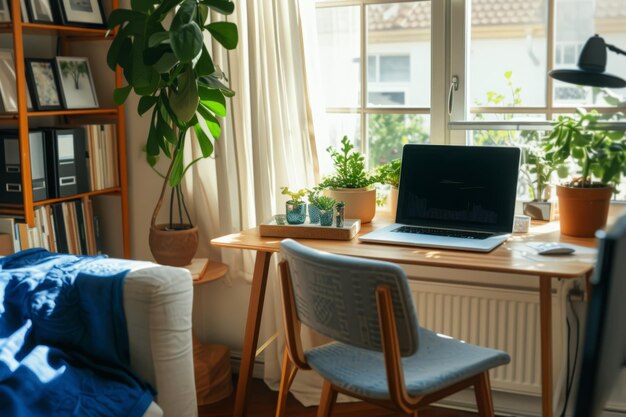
253	325
545	312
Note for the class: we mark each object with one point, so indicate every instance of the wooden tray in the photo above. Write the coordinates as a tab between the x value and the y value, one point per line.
311	231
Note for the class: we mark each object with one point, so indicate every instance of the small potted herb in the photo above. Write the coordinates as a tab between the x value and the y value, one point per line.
390	175
601	159
351	183
314	212
295	206
325	206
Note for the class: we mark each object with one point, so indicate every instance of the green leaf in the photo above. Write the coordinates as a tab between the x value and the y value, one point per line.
204	66
213	99
215	83
158	38
176	174
119	16
152	143
152	55
163	9
166	130
203	140
508	75
211	121
121	94
185	101
186	41
146	103
119	43
203	14
225	33
141	5
166	63
220	6
152	79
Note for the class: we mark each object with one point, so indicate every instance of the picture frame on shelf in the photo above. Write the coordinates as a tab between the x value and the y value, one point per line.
8	89
82	13
43	83
5	11
77	87
40	11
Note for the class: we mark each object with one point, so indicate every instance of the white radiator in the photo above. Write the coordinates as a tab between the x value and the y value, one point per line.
501	318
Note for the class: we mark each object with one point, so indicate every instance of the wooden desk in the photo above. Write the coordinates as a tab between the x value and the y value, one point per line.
511	257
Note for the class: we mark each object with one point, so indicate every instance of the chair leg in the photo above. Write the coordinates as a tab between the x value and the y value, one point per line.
482	389
327	402
286	378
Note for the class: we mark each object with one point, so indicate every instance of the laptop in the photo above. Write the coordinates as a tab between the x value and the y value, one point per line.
454	197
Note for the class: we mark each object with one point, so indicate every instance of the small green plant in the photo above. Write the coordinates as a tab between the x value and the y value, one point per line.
349	168
538	167
325	203
390	172
295	196
599	154
312	195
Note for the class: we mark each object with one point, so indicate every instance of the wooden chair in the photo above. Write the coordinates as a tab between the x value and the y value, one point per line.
365	306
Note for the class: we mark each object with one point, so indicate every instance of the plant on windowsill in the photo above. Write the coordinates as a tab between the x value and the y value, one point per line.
314	214
167	64
295	207
601	159
351	183
390	174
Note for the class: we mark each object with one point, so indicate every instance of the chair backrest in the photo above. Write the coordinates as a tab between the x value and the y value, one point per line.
604	351
336	296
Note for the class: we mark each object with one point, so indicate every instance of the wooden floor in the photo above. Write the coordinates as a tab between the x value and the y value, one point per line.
262	403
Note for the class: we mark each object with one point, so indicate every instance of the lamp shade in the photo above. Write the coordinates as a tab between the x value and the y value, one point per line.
591	67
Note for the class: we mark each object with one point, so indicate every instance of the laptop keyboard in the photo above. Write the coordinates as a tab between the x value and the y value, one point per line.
441	232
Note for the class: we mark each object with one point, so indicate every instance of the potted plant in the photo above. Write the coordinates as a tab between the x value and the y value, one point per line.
390	175
325	206
601	159
295	206
538	168
314	212
167	64
351	183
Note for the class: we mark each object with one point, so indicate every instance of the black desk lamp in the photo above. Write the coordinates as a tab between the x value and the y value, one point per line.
591	66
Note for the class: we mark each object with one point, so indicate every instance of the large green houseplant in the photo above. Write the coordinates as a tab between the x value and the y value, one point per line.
160	45
600	156
351	182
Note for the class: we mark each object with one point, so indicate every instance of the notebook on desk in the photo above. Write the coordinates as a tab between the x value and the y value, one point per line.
454	197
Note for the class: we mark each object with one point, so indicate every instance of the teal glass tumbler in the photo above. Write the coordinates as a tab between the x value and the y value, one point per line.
314	214
296	213
326	217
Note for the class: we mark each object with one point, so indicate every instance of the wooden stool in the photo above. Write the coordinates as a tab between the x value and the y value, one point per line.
212	371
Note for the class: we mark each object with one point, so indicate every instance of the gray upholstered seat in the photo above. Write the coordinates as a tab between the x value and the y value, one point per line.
340	297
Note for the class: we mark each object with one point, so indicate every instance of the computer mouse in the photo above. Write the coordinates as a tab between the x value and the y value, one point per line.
551	248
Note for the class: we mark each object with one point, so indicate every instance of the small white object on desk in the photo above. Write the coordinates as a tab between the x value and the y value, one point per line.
551	248
521	223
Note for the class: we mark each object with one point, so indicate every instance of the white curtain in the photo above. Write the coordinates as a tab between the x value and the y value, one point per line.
267	142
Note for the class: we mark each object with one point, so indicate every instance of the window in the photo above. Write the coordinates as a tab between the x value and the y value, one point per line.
381	102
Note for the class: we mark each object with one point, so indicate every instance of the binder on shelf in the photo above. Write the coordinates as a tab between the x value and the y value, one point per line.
11	171
67	163
59	228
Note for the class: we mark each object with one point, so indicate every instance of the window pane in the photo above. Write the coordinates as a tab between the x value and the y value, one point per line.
508	52
371	69
338	42
576	21
398	36
339	125
387	133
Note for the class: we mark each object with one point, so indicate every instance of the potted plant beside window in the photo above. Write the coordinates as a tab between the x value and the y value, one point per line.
295	206
601	159
167	64
351	183
325	206
390	175
538	168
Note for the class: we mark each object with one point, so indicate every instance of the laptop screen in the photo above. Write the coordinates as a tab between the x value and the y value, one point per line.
458	187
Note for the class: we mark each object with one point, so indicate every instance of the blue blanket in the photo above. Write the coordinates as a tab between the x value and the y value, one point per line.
63	339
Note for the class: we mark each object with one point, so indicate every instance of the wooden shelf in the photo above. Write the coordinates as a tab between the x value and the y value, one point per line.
202	270
75	196
58	30
9	118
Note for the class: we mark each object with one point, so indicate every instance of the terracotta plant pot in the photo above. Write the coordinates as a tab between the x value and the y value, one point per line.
173	247
583	210
360	202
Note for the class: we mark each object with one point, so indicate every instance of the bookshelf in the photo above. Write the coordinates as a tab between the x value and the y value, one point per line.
66	35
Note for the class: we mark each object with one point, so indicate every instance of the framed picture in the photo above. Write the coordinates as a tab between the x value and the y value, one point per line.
5	12
39	11
8	88
42	82
85	13
76	83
